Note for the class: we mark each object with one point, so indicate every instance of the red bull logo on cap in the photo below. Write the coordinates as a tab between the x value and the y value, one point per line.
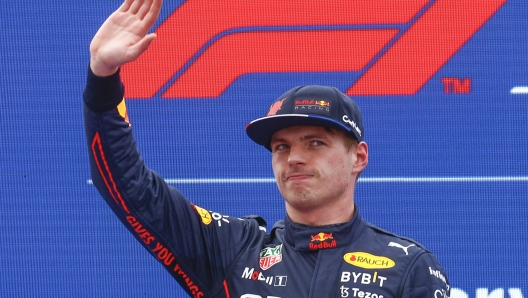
322	103
312	106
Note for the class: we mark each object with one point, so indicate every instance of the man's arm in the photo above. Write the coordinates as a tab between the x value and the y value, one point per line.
159	217
182	237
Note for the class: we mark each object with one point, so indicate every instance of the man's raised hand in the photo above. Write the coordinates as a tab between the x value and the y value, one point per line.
123	37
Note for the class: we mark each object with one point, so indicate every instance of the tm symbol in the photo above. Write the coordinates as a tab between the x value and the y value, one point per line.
456	85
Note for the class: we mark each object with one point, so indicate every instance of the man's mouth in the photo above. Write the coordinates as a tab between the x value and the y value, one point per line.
299	176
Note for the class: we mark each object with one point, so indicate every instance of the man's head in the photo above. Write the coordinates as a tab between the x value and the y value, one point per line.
315	134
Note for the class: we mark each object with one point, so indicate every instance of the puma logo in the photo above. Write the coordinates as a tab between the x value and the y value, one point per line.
394	244
275	107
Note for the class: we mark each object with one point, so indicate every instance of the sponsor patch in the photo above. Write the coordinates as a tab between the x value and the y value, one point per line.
322	241
275	107
312	106
405	248
368	261
122	110
204	214
270	256
276	281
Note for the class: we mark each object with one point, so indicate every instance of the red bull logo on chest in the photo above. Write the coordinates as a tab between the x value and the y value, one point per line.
322	241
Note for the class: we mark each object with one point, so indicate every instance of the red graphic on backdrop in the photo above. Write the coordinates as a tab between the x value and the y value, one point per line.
249	37
456	85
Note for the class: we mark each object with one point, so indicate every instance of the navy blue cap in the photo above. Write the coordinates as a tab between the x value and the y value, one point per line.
312	105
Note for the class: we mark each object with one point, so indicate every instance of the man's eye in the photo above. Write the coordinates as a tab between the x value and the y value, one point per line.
281	147
317	143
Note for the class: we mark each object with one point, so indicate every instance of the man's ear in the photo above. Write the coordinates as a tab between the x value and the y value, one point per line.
361	157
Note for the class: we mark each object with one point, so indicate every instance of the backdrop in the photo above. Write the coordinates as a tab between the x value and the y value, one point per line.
443	87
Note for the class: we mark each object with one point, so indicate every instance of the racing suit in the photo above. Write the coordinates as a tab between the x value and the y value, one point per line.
212	255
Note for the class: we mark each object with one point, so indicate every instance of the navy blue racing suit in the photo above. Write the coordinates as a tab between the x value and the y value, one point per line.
213	255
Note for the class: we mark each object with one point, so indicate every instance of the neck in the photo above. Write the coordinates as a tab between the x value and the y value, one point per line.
324	215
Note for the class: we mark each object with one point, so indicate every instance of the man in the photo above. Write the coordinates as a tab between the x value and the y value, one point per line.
323	248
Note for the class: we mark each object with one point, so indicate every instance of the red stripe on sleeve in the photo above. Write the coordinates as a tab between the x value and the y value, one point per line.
226	289
97	147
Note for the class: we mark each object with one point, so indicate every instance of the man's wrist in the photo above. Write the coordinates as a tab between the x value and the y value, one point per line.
103	93
100	70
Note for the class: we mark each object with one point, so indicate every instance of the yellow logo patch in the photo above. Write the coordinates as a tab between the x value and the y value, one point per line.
204	214
121	108
368	261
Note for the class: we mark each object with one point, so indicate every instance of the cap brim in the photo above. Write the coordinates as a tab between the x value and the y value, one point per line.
262	129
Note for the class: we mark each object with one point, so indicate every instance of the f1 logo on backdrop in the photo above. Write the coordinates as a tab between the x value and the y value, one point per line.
397	46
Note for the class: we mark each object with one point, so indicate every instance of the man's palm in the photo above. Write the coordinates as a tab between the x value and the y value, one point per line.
123	37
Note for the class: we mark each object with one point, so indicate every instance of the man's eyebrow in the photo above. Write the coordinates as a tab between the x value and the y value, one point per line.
315	136
276	139
303	138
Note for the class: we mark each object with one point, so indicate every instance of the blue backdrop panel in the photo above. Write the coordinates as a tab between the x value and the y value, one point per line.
448	169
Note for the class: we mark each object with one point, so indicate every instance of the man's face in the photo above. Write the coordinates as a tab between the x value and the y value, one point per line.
313	167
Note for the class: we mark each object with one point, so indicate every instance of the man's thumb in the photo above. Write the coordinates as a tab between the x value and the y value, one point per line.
140	47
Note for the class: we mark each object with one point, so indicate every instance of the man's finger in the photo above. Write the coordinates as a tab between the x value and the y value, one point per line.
140	47
144	9
136	6
125	6
153	13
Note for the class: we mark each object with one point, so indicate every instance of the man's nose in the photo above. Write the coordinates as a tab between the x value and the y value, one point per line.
297	155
